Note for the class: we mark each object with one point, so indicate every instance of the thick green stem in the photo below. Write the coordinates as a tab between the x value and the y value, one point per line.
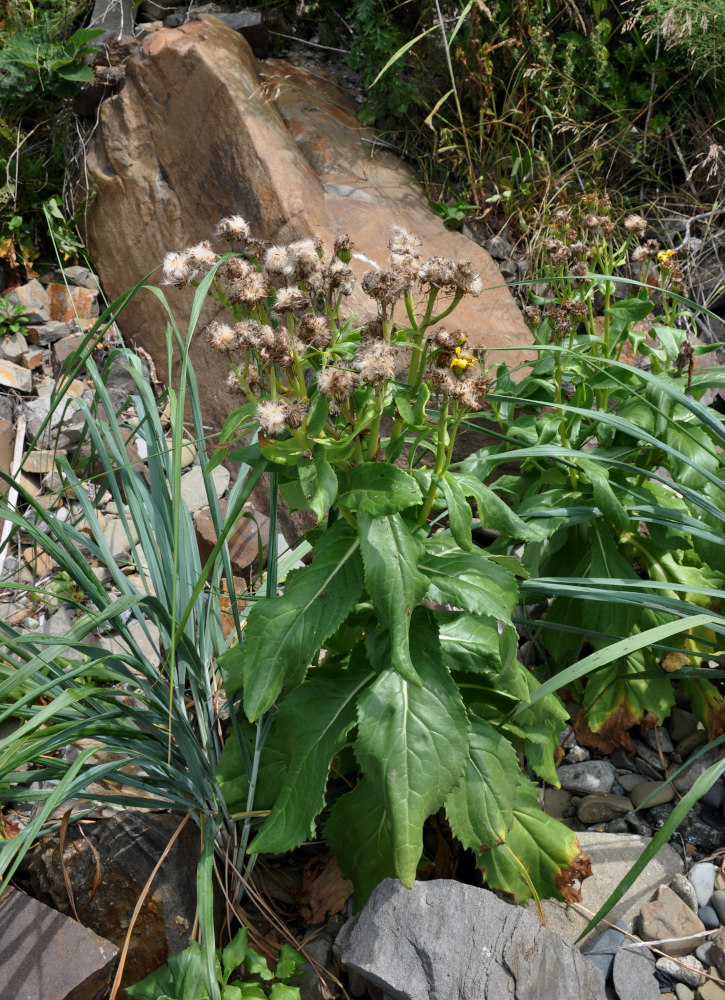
441	463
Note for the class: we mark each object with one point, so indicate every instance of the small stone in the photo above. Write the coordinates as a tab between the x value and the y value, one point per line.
601	808
695	830
685	890
714	796
690	972
718	904
592	777
43	334
648	756
658	738
683	992
628	781
69	303
556	802
35	299
717	952
658	815
32	360
702	878
710	990
14	346
703	953
681	724
719	879
602	949
709	917
633	975
637	824
663	792
668	916
577	755
116	537
15	376
193	486
62	349
40	461
691	743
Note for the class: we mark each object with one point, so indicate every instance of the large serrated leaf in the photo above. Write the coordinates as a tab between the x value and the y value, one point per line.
359	834
395	584
413	743
473	642
459	513
318	483
537	848
377	488
469	580
495	513
313	722
283	634
480	809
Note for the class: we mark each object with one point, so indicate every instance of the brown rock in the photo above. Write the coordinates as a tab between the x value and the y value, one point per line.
15	376
293	168
62	349
125	848
244	539
40	461
717	952
668	916
47	956
71	302
32	359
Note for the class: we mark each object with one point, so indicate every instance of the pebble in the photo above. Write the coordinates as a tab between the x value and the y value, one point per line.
683	992
591	777
684	781
711	990
628	780
633	975
658	814
659	733
717	952
690	975
661	791
681	724
600	808
602	949
696	831
718	904
638	824
714	796
709	917
685	890
577	755
668	917
703	953
702	879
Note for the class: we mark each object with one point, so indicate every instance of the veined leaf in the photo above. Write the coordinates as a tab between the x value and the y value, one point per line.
470	580
472	642
617	691
377	488
313	722
480	808
283	634
494	512
319	485
536	846
459	513
395	584
413	743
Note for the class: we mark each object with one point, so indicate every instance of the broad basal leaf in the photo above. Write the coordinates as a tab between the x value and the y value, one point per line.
468	580
619	694
395	584
537	848
319	485
495	512
283	634
313	722
359	834
473	642
413	743
378	488
480	808
231	771
459	513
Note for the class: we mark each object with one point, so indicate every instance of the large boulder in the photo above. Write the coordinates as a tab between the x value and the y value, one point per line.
447	940
201	129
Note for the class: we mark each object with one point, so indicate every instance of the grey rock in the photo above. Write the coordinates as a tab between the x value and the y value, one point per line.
78	275
577	755
718	903
703	953
628	781
42	334
695	831
649	756
684	781
717	952
657	815
670	921
709	917
685	890
407	942
601	808
591	777
658	737
116	19
602	949
702	879
14	346
683	992
681	724
691	743
633	975
35	299
639	825
661	791
689	973
37	411
499	247
193	486
714	796
50	956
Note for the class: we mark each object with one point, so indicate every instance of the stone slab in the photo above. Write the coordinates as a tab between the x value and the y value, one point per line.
45	955
612	856
15	376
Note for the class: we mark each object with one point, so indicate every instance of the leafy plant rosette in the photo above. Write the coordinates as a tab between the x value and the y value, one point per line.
392	654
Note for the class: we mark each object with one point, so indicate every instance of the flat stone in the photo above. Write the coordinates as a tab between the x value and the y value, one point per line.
193	486
43	334
684	782
601	808
35	299
689	972
37	411
658	738
15	376
710	990
663	792
243	540
407	942
62	349
556	802
718	903
612	856
628	781
591	777
32	360
40	461
602	949
709	917
71	302
668	916
13	346
717	952
696	831
48	956
683	992
685	890
681	723
633	975
116	537
691	743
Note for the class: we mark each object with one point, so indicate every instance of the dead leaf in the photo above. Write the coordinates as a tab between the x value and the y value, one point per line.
578	870
611	735
323	892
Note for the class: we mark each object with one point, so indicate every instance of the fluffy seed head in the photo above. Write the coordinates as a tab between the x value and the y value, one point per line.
233	228
375	361
635	224
221	337
272	416
290	300
178	268
337	383
202	256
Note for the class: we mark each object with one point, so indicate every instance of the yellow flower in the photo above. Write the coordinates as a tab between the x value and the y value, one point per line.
664	255
462	361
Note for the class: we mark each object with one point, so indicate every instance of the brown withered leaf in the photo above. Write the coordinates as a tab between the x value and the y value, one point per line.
674	662
323	892
611	735
578	870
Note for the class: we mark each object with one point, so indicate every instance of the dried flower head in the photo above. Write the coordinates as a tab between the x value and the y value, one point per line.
202	257
233	228
235	269
472	388
297	410
404	243
272	416
337	383
290	300
315	331
248	333
278	261
375	360
340	277
233	385
635	224
343	248
467	278
178	268
221	337
250	291
532	315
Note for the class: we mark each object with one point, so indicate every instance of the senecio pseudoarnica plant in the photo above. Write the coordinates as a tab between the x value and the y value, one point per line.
392	655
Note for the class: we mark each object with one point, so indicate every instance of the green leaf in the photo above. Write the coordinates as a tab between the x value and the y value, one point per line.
256	965
289	962
480	809
280	991
319	485
377	488
626	690
472	643
468	580
235	952
283	634
390	555
231	771
359	832
537	849
182	978
495	513
313	722
459	513
411	406
412	743
604	496
694	444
